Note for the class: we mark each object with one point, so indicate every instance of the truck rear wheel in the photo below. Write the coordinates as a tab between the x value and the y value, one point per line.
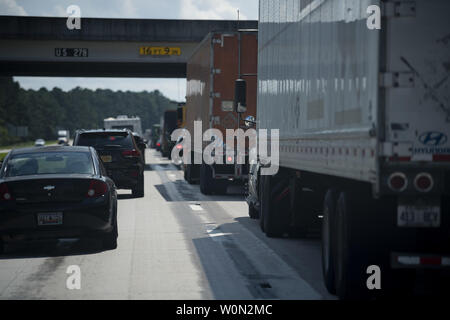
351	252
252	212
188	174
329	240
206	180
261	217
275	207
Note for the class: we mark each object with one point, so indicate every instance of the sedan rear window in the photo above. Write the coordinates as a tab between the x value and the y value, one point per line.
105	140
49	163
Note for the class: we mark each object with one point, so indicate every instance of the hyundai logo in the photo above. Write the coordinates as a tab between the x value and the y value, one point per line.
433	138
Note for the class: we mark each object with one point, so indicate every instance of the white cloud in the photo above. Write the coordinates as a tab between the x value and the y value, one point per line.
128	9
60	11
209	9
10	7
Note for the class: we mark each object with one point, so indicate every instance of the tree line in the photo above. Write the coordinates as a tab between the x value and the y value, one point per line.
45	112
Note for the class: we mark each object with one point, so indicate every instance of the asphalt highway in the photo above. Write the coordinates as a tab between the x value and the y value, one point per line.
174	243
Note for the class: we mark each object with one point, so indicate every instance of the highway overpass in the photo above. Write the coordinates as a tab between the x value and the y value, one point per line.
41	46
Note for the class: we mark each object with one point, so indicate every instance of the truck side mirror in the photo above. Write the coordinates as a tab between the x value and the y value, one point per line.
250	122
240	96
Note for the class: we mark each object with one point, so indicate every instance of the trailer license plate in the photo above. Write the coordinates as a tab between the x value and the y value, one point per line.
410	216
50	219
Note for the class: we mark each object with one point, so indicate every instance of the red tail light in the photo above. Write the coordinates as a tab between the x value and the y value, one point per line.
97	189
131	153
398	182
158	144
423	182
5	194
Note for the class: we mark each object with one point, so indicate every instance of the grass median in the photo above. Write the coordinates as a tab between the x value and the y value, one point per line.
26	145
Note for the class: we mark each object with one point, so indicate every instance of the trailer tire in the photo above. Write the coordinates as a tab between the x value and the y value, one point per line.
253	213
206	179
351	249
261	215
275	213
329	241
220	187
188	174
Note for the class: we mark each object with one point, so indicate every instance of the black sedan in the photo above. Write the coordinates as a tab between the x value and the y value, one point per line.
55	193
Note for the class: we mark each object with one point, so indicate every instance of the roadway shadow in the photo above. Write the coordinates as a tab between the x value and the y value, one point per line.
51	248
125	197
190	193
161	167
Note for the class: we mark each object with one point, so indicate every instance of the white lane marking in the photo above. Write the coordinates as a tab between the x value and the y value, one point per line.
214	232
196	207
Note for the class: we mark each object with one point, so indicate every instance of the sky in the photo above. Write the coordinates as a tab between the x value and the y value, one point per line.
175	89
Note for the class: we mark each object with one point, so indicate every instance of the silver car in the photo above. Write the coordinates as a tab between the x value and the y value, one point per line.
39	143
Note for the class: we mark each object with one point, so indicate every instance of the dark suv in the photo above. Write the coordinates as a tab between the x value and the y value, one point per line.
120	154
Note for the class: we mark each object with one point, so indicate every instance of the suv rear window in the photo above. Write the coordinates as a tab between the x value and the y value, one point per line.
105	140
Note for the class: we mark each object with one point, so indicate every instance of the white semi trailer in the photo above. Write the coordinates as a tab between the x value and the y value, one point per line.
364	119
124	122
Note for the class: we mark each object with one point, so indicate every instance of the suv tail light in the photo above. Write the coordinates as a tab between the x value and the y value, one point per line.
398	182
96	189
5	194
423	182
131	153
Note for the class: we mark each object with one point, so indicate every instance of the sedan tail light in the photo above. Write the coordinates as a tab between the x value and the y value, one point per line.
5	194
97	189
131	153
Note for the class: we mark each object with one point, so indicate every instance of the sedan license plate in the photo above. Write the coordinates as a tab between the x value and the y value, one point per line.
106	159
50	219
412	216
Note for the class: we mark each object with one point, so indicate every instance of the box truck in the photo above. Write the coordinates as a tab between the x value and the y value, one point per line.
124	122
168	126
219	60
364	120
